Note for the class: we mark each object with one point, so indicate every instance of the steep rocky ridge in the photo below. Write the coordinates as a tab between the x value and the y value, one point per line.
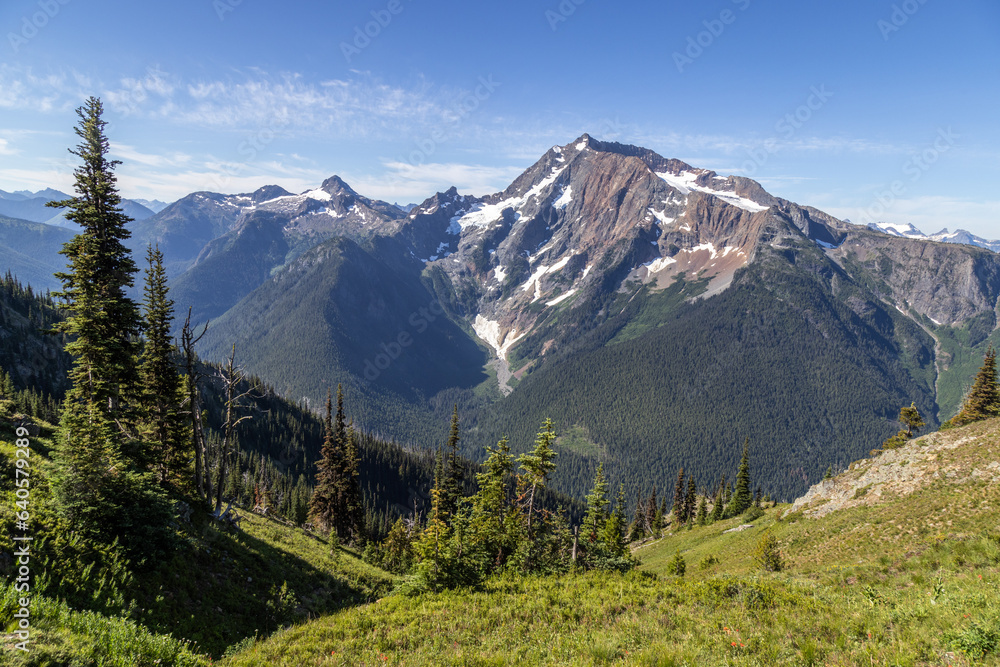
269	230
960	456
592	218
946	283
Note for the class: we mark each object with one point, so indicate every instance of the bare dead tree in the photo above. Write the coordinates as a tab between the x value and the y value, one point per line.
232	377
202	482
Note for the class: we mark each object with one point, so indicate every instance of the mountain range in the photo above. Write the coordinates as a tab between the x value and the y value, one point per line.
31	206
944	236
659	313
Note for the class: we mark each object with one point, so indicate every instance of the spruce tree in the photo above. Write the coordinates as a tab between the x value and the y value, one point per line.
537	466
679	499
717	504
637	529
613	533
325	504
354	510
652	505
163	424
690	499
983	400
741	497
451	483
103	322
492	520
702	518
597	508
100	483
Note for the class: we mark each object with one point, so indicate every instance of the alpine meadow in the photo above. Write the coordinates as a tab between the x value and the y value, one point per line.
520	334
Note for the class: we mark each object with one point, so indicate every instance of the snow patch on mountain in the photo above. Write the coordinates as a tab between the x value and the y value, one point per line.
685	184
562	297
662	217
484	215
565	198
659	264
534	282
489	332
319	195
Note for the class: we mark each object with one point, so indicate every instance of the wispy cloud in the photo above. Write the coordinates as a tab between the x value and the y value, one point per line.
23	89
358	108
133	156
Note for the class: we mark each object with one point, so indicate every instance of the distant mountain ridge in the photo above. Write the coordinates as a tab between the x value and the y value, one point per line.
31	206
944	236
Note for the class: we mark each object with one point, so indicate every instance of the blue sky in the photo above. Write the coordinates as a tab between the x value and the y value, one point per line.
868	109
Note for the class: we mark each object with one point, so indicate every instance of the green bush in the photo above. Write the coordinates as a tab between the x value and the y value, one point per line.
976	641
766	554
753	513
677	565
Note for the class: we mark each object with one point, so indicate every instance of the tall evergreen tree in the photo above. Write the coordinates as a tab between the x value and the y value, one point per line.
354	510
652	505
492	518
324	506
742	498
690	500
537	466
100	483
451	483
163	424
637	529
717	503
702	517
613	533
679	499
103	322
983	400
597	508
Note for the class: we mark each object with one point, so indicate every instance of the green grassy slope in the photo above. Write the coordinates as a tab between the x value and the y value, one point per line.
907	580
220	587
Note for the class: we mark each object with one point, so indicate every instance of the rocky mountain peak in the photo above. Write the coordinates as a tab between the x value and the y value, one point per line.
588	217
268	192
336	186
